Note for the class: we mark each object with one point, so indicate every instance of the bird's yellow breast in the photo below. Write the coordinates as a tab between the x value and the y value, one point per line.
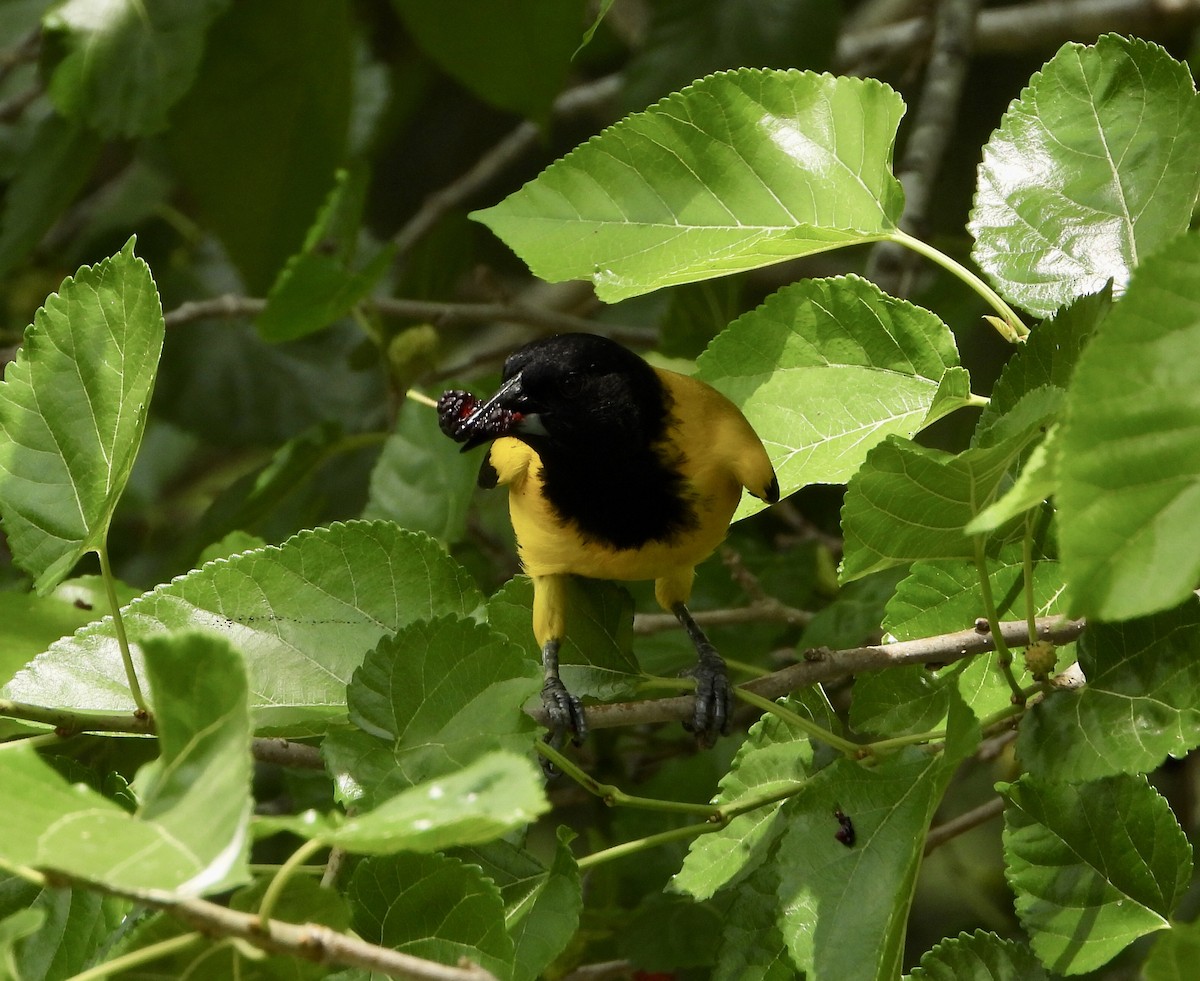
714	449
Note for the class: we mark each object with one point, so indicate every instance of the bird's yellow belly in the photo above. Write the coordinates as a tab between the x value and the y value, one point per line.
550	546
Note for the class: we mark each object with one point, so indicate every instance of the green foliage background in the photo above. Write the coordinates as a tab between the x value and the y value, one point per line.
234	238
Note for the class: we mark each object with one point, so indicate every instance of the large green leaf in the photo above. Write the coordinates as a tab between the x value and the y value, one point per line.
72	412
258	138
69	927
431	906
124	63
1091	169
978	956
827	368
909	503
776	757
843	910
1094	866
1141	703
303	615
542	903
514	55
429	700
737	171
1129	470
190	832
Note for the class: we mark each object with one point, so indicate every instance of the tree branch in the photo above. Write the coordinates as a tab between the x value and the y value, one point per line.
1029	26
522	139
891	266
963	823
310	941
825	666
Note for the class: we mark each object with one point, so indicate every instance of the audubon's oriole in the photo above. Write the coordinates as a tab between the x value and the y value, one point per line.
615	470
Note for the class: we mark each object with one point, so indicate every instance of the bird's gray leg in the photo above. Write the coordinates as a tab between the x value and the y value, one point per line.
566	714
714	695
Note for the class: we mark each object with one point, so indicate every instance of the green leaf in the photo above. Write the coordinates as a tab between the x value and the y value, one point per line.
1173	956
597	653
843	910
737	171
667	933
1129	471
776	757
54	168
259	136
909	503
30	623
827	368
1094	866
73	925
431	906
1036	482
319	284
124	64
541	904
72	412
421	480
1091	169
189	834
978	956
1141	703
855	614
302	614
752	945
431	699
514	56
1047	359
497	793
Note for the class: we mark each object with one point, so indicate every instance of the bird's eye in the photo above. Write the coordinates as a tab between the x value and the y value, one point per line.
570	384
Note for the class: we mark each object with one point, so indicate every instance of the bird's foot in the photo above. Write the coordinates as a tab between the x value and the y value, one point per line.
565	711
713	715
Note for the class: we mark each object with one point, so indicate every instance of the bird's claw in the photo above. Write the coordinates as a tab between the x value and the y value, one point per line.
713	715
565	711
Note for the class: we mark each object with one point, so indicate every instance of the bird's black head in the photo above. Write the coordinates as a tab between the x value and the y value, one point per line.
571	391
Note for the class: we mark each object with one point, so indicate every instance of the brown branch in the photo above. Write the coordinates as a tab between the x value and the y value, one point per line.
1029	26
227	307
826	666
766	610
310	941
892	266
511	148
963	823
284	752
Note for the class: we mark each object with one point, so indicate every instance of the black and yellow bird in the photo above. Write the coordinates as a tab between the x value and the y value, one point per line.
615	470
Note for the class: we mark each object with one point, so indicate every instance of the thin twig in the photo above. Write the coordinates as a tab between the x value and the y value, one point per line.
284	752
766	610
1033	26
891	266
963	823
602	971
444	314
12	107
440	314
310	941
511	148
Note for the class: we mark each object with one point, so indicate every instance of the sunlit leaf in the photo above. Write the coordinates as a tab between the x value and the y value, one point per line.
978	956
302	614
1091	170
827	368
737	171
